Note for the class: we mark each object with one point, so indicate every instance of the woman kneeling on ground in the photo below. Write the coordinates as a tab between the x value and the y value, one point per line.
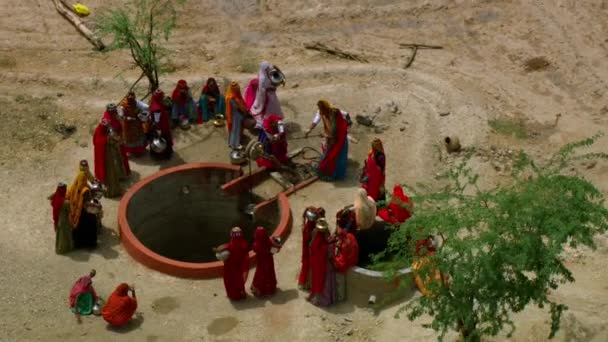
120	307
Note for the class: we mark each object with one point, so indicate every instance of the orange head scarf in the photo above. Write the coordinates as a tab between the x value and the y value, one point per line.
234	93
326	110
76	192
120	307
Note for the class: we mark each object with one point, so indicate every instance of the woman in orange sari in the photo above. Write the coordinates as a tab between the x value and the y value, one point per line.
236	267
79	194
120	307
236	112
373	174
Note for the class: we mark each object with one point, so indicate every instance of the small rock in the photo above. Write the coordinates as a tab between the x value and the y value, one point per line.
395	109
239	68
295	85
350	332
348	319
215	295
444	114
59	94
402	129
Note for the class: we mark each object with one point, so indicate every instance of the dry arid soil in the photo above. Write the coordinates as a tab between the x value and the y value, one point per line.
507	68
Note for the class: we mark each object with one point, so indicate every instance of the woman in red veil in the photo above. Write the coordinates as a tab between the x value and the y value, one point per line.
373	173
264	281
236	267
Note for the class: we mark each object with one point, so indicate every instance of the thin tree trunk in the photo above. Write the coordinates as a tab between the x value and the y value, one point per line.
85	31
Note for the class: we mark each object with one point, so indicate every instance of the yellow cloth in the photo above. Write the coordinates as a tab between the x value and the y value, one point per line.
234	93
81	9
76	193
325	111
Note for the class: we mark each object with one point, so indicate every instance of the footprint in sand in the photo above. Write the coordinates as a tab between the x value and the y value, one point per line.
222	325
164	305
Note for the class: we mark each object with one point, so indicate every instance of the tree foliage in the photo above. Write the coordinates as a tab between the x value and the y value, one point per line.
141	26
503	247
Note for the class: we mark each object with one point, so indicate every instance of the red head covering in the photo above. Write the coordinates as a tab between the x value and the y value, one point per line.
57	201
270	123
177	95
156	102
120	307
261	243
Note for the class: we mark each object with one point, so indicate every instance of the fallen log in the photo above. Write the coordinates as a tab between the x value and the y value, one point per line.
80	26
336	52
415	48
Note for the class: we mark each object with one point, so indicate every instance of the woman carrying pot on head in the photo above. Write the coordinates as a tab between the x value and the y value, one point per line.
264	280
211	101
309	220
236	266
111	162
161	127
83	296
373	173
61	220
85	210
323	275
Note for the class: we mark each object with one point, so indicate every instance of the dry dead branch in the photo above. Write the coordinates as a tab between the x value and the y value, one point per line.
82	28
335	51
415	48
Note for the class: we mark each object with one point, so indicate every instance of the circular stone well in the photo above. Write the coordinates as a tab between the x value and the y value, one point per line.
170	220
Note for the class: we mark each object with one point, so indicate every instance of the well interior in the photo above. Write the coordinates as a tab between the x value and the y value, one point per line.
372	241
182	215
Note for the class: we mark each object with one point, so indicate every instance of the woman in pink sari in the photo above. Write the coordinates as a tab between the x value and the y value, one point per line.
264	281
252	89
236	267
83	296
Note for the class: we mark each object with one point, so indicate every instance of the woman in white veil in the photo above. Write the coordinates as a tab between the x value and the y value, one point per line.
365	210
266	100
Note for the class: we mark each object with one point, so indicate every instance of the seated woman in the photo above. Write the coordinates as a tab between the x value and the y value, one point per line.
373	174
161	124
120	307
308	225
264	281
61	213
365	210
183	103
236	114
398	209
111	162
323	275
236	267
274	139
211	101
332	165
79	195
346	256
83	296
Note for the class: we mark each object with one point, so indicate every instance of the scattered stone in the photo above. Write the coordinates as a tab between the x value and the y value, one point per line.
444	114
402	129
395	109
350	332
348	320
295	85
59	94
215	295
364	120
65	130
591	164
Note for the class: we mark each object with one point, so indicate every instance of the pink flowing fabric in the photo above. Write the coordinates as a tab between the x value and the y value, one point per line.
250	92
84	284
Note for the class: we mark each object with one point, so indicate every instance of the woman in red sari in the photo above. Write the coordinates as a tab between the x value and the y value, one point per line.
236	267
323	281
274	139
346	256
332	165
307	227
398	210
373	174
264	281
161	124
111	162
120	307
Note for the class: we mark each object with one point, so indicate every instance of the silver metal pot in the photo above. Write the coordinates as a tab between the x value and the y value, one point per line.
311	215
97	190
158	145
238	157
93	207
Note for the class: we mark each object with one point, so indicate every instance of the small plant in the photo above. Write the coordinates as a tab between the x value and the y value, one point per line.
141	26
502	248
507	126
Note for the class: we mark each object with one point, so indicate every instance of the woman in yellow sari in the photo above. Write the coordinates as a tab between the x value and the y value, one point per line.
79	196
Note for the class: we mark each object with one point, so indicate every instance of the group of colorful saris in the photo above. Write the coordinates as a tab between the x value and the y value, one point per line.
75	226
117	311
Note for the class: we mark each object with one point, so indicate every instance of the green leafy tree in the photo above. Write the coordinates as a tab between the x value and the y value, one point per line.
502	248
141	26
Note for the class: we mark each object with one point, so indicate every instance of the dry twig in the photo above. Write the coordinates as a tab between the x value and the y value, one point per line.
335	51
82	28
415	48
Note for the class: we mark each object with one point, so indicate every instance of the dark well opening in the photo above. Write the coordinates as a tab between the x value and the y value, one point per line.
372	241
183	215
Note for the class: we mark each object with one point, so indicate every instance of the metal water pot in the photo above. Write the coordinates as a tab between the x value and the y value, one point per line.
238	156
158	144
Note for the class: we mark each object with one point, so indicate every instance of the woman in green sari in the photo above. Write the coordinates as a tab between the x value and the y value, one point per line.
211	101
61	221
82	296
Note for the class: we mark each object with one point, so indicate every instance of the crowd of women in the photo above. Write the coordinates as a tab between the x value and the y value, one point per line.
126	130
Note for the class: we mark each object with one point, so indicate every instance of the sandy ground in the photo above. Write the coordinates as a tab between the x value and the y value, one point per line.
50	75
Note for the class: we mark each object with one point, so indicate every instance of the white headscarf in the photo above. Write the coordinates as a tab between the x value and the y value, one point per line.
365	210
263	84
